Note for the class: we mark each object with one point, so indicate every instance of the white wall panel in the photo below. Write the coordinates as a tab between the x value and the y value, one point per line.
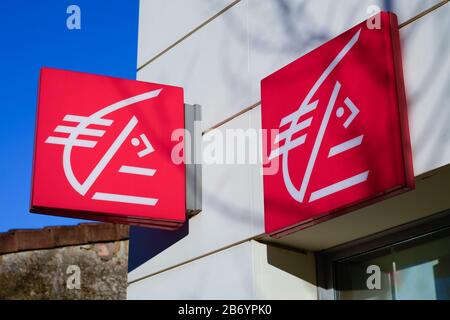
283	274
250	270
232	208
229	213
161	23
221	65
227	274
283	31
212	66
427	77
406	9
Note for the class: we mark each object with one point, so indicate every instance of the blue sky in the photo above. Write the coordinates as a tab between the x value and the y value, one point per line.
34	34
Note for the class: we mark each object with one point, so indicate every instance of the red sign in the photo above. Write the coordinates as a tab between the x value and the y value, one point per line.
103	150
343	130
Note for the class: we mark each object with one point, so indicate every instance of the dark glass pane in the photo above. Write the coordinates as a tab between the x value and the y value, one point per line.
417	268
353	274
423	268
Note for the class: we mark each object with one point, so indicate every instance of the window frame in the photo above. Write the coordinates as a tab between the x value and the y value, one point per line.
326	259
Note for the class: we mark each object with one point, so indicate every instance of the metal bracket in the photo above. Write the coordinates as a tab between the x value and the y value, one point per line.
192	115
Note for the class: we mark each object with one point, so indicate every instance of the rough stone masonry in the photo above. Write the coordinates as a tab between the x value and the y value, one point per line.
95	268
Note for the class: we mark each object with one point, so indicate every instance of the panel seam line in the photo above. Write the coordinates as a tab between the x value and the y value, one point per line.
407	22
188	34
197	258
423	13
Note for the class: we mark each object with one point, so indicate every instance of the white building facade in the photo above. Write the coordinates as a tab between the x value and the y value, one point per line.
218	51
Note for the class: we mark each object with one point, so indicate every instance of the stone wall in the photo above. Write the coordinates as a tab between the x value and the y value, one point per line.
89	271
86	261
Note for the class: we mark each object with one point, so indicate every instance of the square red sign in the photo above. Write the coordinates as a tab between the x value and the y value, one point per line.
103	150
343	136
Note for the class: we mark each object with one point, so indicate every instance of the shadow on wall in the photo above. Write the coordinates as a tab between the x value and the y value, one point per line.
297	263
145	243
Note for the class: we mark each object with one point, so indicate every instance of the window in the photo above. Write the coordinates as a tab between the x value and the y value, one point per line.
411	264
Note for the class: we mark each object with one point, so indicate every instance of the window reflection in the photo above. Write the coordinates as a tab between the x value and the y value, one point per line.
415	269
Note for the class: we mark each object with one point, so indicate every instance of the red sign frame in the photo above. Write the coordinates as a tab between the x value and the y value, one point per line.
103	150
355	148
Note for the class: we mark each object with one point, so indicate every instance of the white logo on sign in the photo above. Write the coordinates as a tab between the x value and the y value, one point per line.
98	118
297	124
